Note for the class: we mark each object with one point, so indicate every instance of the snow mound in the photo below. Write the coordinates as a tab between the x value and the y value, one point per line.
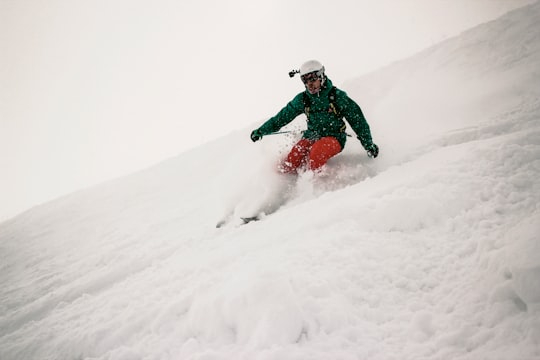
428	252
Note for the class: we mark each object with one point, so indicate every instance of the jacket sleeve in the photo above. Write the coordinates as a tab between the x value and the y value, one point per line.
294	108
354	116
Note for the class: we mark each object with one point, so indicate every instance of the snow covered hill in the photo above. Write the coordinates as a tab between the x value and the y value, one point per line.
431	251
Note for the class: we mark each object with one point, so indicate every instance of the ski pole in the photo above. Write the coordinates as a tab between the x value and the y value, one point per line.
281	132
292	132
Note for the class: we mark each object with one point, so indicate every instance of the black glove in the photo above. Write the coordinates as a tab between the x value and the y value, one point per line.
256	135
372	150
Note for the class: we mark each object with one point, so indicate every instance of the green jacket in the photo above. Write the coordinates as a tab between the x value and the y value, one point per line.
322	120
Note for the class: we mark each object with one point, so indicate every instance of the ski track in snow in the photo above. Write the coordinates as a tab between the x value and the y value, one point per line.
428	252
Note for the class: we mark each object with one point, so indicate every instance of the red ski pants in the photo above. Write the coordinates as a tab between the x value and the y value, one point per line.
313	153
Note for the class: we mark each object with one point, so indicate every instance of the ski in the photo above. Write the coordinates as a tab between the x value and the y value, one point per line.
241	221
247	220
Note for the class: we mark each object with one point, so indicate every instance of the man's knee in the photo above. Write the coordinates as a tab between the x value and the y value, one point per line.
322	151
297	157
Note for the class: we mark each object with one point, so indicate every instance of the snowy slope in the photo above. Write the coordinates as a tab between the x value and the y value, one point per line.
431	251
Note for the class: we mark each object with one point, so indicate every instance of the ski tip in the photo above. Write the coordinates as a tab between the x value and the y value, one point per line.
222	223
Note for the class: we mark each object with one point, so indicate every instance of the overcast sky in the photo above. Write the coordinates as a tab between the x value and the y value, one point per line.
91	90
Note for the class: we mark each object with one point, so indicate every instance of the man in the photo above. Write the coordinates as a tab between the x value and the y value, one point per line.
325	107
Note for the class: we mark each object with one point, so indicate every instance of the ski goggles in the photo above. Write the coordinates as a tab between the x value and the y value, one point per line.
312	76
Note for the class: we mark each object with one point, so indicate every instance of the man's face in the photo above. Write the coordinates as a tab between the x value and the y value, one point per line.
312	82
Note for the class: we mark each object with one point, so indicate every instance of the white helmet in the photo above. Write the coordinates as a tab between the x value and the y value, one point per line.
313	66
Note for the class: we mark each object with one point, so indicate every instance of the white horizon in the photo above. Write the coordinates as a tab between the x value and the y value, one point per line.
94	91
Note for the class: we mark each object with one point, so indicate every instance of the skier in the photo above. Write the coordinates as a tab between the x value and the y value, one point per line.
325	107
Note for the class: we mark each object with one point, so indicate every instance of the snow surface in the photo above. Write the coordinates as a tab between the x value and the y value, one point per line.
431	251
